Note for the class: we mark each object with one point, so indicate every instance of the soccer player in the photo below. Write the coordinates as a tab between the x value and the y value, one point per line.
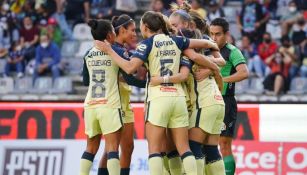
166	107
102	106
235	70
124	27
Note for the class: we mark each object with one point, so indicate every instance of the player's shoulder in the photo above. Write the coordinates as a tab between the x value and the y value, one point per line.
88	54
231	47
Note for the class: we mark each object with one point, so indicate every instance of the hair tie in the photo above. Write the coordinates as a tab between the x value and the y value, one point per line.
183	13
117	27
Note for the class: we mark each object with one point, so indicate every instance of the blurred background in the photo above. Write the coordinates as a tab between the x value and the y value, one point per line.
41	114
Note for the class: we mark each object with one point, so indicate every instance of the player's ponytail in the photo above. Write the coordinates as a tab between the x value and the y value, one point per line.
200	22
100	28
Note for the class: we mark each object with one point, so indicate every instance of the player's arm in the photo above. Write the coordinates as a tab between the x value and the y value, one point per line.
128	66
202	43
176	78
200	59
238	61
217	58
85	74
132	81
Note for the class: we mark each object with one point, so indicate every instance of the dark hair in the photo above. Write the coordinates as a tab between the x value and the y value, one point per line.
222	23
200	22
121	21
155	22
100	28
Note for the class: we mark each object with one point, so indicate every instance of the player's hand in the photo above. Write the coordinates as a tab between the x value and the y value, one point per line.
219	80
202	74
155	81
104	46
214	46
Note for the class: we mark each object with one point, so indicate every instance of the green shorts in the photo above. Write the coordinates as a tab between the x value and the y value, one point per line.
209	119
102	120
168	112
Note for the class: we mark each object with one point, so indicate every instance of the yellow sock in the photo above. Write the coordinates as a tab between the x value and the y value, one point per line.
189	163
113	163
86	163
200	166
215	168
166	170
175	165
155	164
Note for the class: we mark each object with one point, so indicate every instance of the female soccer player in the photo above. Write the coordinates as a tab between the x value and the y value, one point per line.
166	107
102	106
207	119
124	27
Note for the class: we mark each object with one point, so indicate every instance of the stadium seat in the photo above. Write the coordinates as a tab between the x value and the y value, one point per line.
6	85
2	65
29	97
75	65
134	97
84	47
10	97
256	86
49	97
42	85
69	48
303	98
298	86
242	87
247	98
268	98
23	85
82	32
61	85
288	98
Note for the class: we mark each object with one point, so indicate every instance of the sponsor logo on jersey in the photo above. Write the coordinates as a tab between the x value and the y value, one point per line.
141	47
168	89
218	97
21	161
159	44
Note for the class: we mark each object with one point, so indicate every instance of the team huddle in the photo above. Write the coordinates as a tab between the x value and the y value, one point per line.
190	107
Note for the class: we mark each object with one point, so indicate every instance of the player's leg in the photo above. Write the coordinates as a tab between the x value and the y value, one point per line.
214	162
126	145
155	135
178	125
88	156
174	160
225	141
112	147
93	132
103	170
111	128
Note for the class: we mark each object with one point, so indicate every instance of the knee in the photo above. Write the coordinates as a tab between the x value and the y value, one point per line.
127	148
196	149
92	148
212	153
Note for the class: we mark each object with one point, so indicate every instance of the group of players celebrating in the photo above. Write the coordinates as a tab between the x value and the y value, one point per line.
190	107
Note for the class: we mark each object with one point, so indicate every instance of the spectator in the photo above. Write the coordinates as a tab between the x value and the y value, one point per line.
252	20
196	6
53	31
289	50
102	9
290	17
303	69
267	48
254	62
231	39
158	6
29	38
15	60
299	32
215	10
48	57
277	80
77	11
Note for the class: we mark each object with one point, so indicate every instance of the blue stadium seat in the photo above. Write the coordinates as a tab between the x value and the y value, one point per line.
62	85
2	65
289	98
268	98
6	85
42	85
247	98
69	48
23	85
74	66
298	86
242	87
82	32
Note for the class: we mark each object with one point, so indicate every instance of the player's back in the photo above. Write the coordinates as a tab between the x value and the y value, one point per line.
103	80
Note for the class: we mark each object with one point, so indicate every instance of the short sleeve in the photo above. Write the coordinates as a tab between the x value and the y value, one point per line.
121	52
182	42
184	61
143	50
236	57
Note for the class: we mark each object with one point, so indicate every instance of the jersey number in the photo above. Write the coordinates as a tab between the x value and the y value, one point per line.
165	71
98	89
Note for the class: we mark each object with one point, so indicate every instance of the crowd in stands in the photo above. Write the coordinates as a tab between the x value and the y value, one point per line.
272	34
